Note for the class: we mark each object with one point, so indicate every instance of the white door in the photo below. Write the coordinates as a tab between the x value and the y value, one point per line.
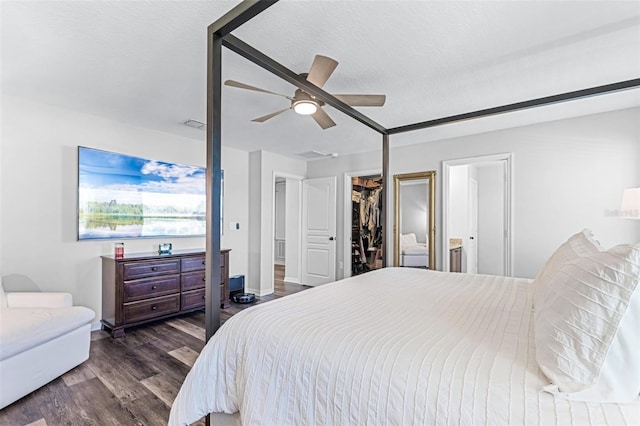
318	231
472	243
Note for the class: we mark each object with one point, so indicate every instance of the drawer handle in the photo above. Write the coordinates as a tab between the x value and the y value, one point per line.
203	297
204	278
154	307
153	287
154	268
203	262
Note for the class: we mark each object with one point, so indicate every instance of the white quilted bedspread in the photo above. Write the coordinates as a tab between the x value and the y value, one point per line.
398	346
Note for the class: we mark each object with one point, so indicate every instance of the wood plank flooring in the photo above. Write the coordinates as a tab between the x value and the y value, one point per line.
127	381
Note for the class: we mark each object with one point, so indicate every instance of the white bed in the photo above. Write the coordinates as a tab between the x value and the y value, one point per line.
391	347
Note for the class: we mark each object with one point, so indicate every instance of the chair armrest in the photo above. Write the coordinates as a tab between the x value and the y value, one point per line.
39	300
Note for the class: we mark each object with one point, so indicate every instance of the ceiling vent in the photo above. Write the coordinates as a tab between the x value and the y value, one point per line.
195	124
314	155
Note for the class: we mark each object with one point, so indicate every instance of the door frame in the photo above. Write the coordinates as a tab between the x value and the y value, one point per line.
275	175
346	221
507	158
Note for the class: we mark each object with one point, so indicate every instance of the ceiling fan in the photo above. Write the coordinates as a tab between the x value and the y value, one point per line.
306	104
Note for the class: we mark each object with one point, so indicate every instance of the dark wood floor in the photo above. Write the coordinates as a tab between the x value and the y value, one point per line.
127	381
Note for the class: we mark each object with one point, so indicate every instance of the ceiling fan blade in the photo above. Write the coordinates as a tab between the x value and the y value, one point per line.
321	70
239	85
362	100
323	119
268	116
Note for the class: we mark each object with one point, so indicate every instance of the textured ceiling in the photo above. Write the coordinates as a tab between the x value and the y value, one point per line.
143	62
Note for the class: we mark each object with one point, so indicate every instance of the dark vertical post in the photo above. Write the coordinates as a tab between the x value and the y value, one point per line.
214	154
386	184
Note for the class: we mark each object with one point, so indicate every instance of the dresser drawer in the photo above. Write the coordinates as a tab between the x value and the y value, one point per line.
192	299
135	270
193	264
151	287
152	308
198	263
192	280
197	279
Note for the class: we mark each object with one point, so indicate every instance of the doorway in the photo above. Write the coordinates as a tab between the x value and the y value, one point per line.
366	225
279	238
346	264
477	205
286	227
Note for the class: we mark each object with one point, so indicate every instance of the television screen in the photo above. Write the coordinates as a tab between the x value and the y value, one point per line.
120	196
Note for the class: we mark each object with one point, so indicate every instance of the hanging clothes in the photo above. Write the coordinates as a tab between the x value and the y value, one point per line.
370	215
367	234
373	206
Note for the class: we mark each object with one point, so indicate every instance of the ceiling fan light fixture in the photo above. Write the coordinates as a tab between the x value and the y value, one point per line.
305	107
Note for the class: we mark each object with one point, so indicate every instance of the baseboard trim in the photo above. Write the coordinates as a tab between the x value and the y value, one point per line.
257	292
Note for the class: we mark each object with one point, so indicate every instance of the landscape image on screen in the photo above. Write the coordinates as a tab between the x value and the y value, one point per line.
120	196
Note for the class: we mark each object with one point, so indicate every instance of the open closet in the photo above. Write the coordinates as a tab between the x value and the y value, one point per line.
366	224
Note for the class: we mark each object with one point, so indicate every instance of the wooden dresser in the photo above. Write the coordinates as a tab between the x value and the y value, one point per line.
142	287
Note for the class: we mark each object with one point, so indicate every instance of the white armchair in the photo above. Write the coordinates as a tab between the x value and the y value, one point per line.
39	300
42	336
413	253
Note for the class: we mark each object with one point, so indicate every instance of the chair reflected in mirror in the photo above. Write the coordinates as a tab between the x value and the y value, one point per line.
414	220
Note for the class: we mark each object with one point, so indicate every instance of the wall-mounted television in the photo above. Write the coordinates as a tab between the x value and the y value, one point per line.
121	196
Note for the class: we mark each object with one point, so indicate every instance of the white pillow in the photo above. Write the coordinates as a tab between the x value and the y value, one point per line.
578	245
578	332
408	240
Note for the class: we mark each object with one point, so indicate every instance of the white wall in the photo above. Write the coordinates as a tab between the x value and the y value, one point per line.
567	175
1	190
459	208
38	208
235	164
490	218
263	167
252	279
458	202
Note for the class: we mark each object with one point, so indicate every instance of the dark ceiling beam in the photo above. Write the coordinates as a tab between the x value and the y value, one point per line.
548	100
237	16
243	49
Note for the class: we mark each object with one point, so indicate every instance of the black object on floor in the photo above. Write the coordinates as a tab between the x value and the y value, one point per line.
236	284
244	298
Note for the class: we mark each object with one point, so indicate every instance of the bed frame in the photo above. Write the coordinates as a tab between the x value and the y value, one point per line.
219	35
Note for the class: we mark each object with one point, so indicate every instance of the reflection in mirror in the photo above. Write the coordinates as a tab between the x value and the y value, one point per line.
414	220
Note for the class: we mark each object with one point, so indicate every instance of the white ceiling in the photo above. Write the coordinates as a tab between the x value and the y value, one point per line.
143	62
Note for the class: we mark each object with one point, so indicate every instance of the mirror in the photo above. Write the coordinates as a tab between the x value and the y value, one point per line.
414	230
